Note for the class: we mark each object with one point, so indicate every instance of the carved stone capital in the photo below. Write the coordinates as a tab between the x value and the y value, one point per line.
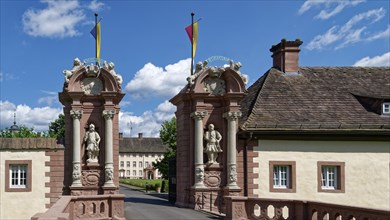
76	114
232	116
108	114
198	115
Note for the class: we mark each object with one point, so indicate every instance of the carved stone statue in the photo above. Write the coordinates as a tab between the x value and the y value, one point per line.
212	149
110	67
68	73
199	66
92	140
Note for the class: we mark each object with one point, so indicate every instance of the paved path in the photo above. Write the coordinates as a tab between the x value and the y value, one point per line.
142	206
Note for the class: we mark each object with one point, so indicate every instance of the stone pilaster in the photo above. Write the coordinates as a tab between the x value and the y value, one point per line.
109	167
198	160
76	174
231	117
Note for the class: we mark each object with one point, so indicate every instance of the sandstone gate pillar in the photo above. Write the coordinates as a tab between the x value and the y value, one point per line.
206	141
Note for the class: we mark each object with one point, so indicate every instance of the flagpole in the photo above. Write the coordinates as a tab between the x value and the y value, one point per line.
192	43
96	46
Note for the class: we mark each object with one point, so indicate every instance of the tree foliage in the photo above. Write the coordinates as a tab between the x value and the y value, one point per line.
168	137
24	132
57	127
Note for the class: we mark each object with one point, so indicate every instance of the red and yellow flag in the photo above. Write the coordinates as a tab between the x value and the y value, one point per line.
193	36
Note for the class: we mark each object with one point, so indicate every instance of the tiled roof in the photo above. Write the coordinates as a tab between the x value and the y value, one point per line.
141	145
318	97
18	144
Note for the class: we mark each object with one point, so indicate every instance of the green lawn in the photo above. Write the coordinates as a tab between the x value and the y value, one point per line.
141	183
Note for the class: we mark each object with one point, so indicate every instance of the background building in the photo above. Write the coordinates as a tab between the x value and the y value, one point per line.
136	156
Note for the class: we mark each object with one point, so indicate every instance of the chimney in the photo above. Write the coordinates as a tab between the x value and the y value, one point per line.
120	135
139	135
286	55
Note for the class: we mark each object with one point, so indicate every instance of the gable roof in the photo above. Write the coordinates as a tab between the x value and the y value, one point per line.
318	98
142	145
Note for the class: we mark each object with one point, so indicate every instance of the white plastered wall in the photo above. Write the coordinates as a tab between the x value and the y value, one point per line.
23	205
138	157
367	175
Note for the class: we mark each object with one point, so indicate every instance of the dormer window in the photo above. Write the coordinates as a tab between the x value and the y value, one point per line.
386	108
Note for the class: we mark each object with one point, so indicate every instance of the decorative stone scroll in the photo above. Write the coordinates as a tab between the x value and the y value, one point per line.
109	174
76	172
199	174
212	178
91	177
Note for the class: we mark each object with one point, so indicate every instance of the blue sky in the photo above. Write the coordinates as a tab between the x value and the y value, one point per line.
147	42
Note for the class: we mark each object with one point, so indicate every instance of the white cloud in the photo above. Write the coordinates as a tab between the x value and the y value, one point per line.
153	81
49	100
381	60
59	19
37	118
349	33
380	35
149	123
331	8
95	6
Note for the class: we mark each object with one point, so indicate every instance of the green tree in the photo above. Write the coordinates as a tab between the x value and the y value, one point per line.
168	137
24	132
57	127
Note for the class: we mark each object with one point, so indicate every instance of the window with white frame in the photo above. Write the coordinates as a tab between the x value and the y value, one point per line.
128	163
134	164
146	164
134	172
128	172
122	163
140	164
282	176
386	108
140	172
18	175
331	177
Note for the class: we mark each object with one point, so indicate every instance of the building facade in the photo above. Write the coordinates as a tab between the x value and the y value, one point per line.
136	157
319	133
298	133
29	168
